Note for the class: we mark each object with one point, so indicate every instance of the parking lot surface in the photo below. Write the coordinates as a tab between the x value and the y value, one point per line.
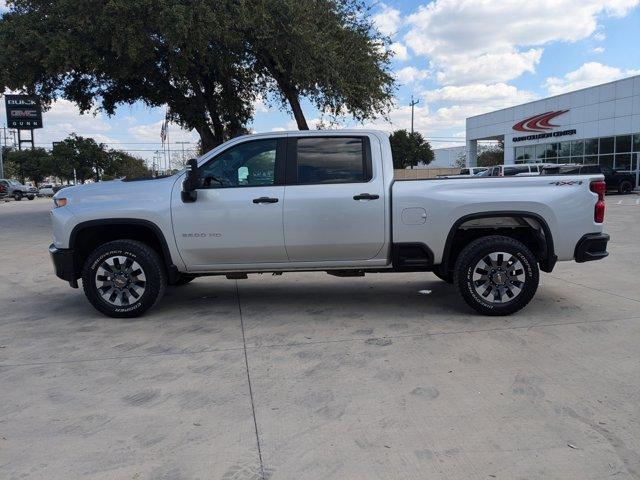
308	376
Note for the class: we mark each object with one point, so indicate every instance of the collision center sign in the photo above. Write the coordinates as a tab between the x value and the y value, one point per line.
541	127
23	112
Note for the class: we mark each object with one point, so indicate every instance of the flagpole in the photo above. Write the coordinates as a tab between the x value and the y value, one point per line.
168	145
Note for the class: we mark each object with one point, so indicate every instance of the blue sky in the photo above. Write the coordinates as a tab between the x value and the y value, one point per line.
458	57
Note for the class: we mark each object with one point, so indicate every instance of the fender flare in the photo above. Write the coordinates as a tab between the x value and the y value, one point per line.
546	263
172	270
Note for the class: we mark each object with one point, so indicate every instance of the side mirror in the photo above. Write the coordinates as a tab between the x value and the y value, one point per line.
189	186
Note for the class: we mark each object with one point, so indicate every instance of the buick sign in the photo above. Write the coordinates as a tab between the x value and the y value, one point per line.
23	112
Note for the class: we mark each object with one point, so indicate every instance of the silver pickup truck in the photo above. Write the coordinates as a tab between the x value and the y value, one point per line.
321	201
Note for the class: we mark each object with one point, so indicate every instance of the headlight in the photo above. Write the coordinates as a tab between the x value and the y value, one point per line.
60	202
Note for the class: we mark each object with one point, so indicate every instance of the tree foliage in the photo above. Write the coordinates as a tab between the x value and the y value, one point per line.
409	149
33	164
490	156
74	157
208	60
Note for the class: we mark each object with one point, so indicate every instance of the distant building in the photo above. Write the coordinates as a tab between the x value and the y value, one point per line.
596	125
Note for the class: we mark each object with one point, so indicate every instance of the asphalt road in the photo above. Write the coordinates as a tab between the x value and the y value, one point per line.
308	376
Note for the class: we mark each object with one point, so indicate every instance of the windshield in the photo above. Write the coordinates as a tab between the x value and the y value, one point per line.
14	182
485	173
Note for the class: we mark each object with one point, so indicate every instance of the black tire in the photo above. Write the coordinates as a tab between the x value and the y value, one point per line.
183	279
625	187
152	277
481	290
17	196
445	277
31	197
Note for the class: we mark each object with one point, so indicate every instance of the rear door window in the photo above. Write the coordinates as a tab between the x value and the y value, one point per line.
325	160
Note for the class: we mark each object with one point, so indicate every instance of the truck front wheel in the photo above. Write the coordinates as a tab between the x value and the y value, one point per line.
496	275
123	278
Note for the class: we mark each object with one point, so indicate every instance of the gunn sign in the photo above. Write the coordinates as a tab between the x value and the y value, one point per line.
23	112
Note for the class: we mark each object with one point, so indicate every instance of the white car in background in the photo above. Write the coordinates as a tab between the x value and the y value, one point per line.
46	191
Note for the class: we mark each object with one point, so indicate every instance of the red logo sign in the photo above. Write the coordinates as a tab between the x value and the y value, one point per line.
539	123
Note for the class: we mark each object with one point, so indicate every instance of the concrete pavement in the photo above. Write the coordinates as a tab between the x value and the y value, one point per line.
308	376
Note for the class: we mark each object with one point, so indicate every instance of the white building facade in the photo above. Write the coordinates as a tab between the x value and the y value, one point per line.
599	124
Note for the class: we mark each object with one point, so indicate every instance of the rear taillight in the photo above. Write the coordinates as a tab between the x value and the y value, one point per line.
599	187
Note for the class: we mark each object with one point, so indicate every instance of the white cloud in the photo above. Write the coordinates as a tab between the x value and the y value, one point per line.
388	20
400	51
599	36
454	34
408	75
597	50
488	67
495	96
588	75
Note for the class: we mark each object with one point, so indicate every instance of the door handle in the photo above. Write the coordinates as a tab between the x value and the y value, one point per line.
366	196
265	200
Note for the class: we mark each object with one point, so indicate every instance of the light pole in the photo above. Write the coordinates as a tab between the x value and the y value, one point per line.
413	104
183	144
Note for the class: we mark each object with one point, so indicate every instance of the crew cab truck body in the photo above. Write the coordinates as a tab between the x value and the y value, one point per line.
325	201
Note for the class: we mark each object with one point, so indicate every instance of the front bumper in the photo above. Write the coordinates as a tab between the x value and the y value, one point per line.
592	246
64	264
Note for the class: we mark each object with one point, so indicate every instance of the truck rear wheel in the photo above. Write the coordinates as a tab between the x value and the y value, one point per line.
496	275
123	278
625	187
17	196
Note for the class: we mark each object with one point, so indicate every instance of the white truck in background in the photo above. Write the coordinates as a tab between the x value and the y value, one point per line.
321	201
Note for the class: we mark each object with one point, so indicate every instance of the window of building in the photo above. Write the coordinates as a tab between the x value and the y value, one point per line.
520	153
623	144
540	151
591	146
577	148
606	160
623	162
636	142
565	149
590	159
331	160
606	145
530	153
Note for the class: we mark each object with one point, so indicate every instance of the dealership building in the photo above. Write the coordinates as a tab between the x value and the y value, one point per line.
599	124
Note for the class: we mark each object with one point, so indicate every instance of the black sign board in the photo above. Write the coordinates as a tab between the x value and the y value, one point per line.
23	112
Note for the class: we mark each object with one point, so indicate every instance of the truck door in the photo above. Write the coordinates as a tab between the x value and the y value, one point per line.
334	205
237	217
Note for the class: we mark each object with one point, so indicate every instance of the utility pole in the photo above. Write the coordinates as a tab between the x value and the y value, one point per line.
183	144
413	104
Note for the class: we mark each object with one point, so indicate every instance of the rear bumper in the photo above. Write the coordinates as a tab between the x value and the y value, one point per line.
63	264
592	246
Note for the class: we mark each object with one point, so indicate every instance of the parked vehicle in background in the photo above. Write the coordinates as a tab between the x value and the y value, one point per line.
618	181
46	190
323	201
3	190
512	170
17	190
472	170
466	172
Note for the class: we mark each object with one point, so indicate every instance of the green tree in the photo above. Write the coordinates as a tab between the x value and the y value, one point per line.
493	155
88	158
324	50
409	149
206	59
122	164
35	164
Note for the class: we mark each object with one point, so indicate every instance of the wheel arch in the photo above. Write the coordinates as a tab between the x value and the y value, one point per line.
88	235
545	253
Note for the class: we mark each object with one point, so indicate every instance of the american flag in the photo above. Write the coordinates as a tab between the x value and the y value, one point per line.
163	131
